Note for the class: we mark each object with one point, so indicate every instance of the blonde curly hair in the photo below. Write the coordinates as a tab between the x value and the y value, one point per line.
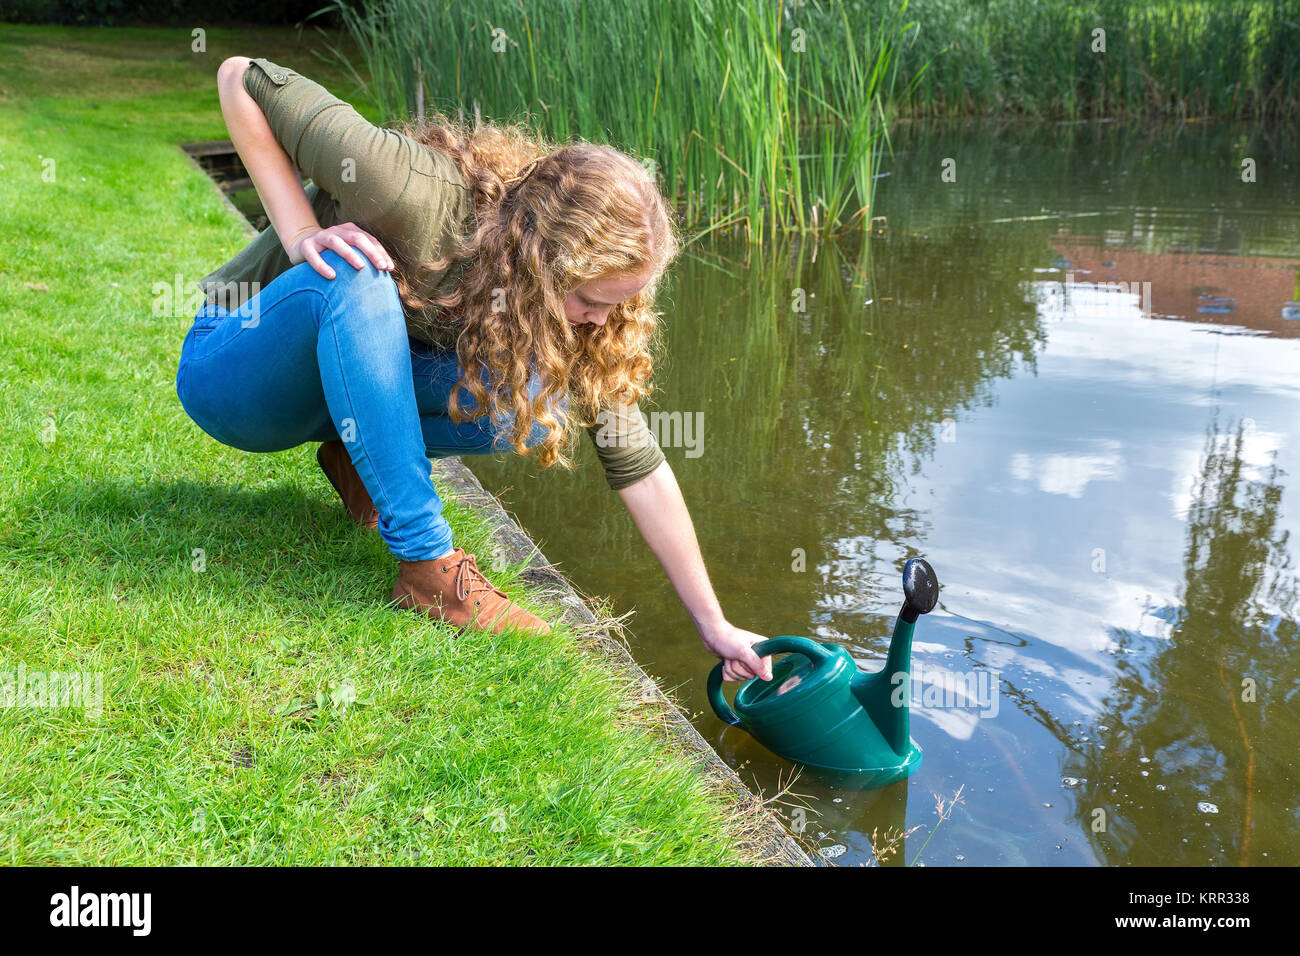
547	219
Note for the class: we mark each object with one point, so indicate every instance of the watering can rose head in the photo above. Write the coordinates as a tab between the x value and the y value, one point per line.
562	258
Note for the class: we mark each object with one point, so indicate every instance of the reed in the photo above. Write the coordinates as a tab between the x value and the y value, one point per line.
1183	58
761	117
769	116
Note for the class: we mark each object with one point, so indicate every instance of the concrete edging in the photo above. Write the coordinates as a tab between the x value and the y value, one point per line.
249	229
778	849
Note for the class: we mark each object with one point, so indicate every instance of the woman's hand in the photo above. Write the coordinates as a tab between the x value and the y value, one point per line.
341	238
734	647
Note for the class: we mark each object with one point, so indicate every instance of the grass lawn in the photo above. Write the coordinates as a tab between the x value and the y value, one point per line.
260	703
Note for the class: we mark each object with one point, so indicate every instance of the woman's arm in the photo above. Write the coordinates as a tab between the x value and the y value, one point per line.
277	182
267	163
659	511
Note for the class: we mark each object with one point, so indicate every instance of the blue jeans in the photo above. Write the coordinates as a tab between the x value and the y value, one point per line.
310	359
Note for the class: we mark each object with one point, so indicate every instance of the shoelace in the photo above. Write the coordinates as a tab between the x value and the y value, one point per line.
468	577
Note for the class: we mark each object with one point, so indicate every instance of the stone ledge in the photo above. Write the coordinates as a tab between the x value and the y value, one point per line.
778	848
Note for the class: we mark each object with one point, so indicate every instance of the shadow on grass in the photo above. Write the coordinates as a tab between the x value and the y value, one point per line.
280	541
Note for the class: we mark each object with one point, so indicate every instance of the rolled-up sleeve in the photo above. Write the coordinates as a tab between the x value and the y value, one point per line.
365	168
625	445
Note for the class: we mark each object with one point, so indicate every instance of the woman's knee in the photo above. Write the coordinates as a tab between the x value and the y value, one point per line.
367	296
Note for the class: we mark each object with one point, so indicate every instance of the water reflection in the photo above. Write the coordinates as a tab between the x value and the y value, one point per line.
974	390
1195	726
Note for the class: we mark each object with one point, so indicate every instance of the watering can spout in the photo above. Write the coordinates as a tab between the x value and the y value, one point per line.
885	694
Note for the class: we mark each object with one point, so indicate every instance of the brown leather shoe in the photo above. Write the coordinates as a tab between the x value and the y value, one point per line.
452	589
335	461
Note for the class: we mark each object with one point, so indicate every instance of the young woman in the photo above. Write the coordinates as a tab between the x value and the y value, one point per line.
439	291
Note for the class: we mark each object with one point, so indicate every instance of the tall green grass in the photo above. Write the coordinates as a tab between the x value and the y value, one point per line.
761	116
770	115
1180	58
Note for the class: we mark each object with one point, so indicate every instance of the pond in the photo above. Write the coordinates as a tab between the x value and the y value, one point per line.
1070	379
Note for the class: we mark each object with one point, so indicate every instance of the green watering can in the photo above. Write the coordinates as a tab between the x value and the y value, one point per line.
820	710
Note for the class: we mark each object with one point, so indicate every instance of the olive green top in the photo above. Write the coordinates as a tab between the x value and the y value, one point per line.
414	199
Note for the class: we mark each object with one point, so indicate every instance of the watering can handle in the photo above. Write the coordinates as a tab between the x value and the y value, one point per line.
720	705
777	645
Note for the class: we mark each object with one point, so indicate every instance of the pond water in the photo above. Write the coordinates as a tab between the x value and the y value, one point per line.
1070	379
